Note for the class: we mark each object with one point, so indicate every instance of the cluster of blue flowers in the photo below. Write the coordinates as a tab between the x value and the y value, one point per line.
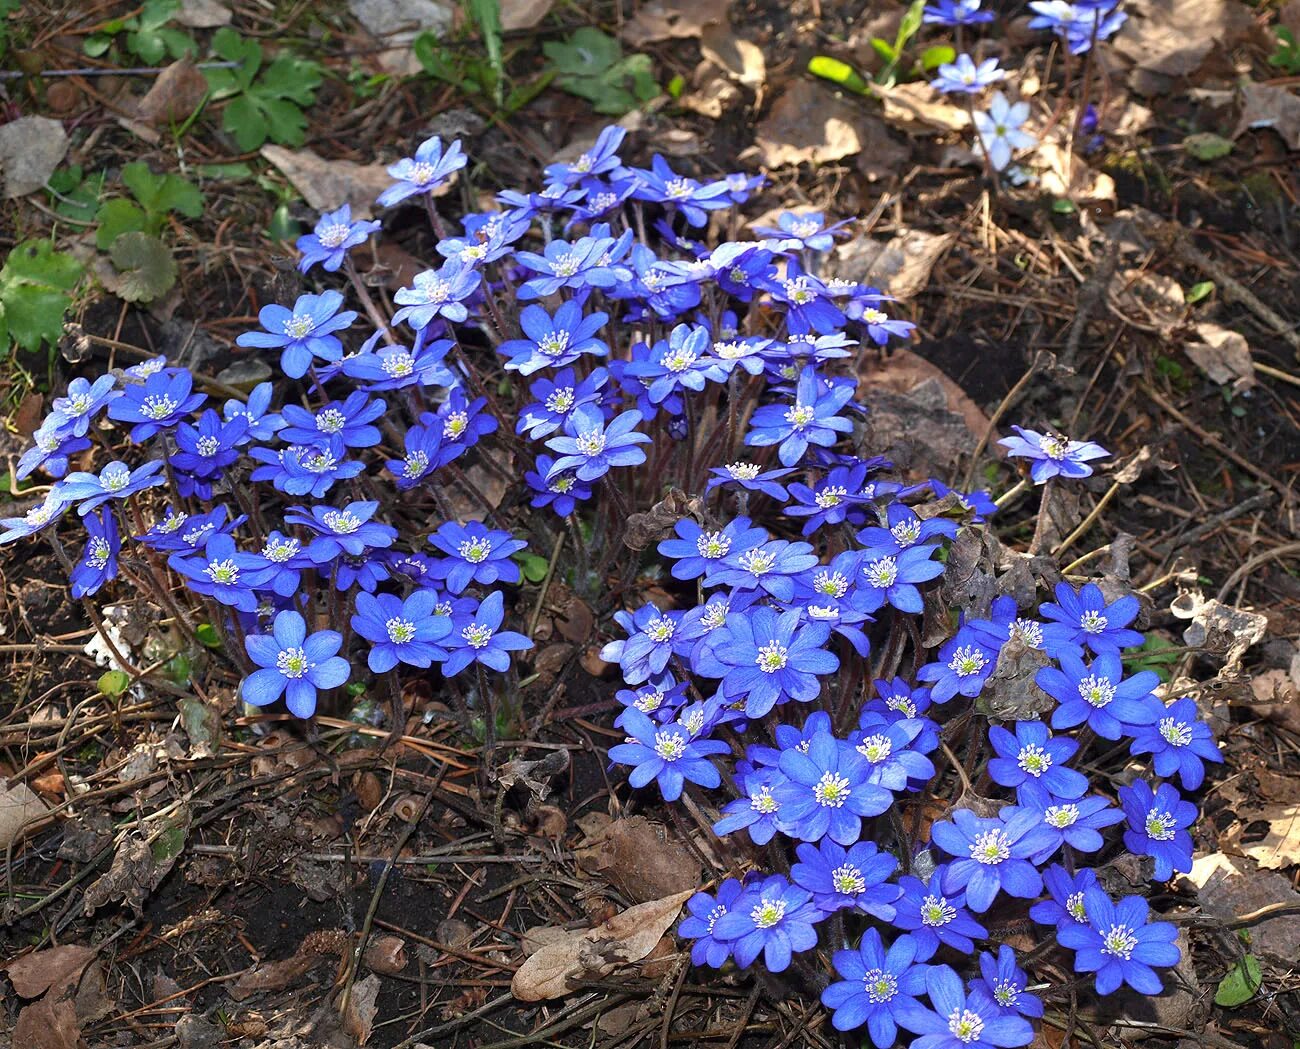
302	532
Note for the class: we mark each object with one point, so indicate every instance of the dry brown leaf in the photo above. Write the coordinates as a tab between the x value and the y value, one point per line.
900	266
19	805
640	859
1173	38
1223	355
809	124
713	96
523	14
327	184
626	937
30	149
396	23
1218	628
919	109
203	14
362	1008
48	1024
673	20
1272	107
1280	847
1228	886
177	92
741	59
1147	300
1065	174
34	974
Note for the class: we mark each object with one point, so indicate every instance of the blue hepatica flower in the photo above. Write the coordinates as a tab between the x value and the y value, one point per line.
999	130
206	450
303	333
853	877
335	234
812	419
337	532
600	159
770	567
1083	618
1004	981
667	755
963	76
664	289
401	631
750	477
1157	826
934	915
649	645
115	481
766	658
1080	24
675	365
661	185
474	553
437	293
828	794
905	530
305	469
560	491
293	664
703	912
696	549
98	562
1077	822
770	917
478	638
285	559
489	236
893	749
430	168
588	262
878	988
591	448
179	532
1099	695
1065	904
554	341
397	367
463	423
891	579
76	410
660	699
556	400
965	662
831	501
991	856
163	401
1033	755
1179	742
963	1021
1051	455
757	811
263	424
808	301
795	232
224	573
955	13
349	419
1120	944
51	451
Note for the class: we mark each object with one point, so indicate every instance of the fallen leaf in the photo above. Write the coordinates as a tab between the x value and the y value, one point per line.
51	1023
673	20
19	805
396	23
328	184
523	14
1218	628
386	954
176	93
1173	38
202	723
919	109
30	149
362	1008
203	14
626	937
277	975
714	94
1147	300
741	59
639	858
1223	355
1065	174
34	974
47	1024
1280	847
900	266
642	529
1228	886
809	124
1266	106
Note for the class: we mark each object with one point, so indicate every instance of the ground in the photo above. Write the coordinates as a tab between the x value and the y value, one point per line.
1152	306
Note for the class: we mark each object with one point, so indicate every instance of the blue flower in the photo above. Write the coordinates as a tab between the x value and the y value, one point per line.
262	423
556	400
591	448
76	410
1099	695
828	794
1004	981
146	368
661	185
338	532
1033	755
560	491
430	168
474	553
1120	944
769	567
809	303
894	749
223	573
864	309
757	811
835	498
163	401
51	451
423	445
401	631
396	367
205	450
811	419
1157	826
965	77
1080	23
905	530
554	341
98	562
795	232
329	243
588	262
649	644
962	1021
751	477
480	639
349	419
964	664
303	333
696	549
659	289
765	659
489	236
666	754
878	987
305	470
293	664
437	293
1179	742
955	13
600	159
1051	455
366	571
1076	822
115	481
741	269
934	915
991	856
676	365
661	698
1084	618
285	560
463	422
773	918
703	914
1066	892
892	579
554	196
855	877
182	532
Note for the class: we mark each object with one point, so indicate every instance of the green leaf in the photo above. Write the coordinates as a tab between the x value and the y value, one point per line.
179	668
236	171
115	217
839	73
168	844
910	24
34	287
234	48
1206	146
884	49
486	14
289	77
113	683
1240	985
159	194
534	567
145	268
37	261
1199	291
285	122
283	227
939	55
244	120
1064	207
587	53
208	635
96	44
675	86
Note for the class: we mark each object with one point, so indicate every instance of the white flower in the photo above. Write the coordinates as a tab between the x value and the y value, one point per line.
1000	132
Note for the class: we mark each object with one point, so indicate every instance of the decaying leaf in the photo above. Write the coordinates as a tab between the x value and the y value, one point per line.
639	858
626	937
1173	38
328	184
1280	847
396	23
1147	300
177	92
741	59
1062	173
523	14
30	149
658	521
34	974
1263	105
809	124
204	14
901	266
1011	692
918	109
673	20
53	1022
1223	355
535	775
277	975
1218	628
361	1009
19	805
1228	886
